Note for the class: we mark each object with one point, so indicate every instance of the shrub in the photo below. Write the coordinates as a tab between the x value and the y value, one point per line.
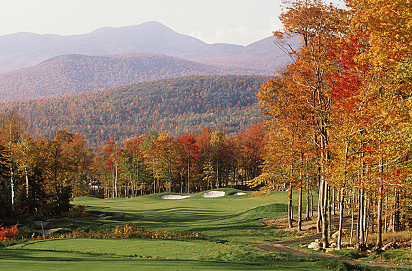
8	233
130	231
76	211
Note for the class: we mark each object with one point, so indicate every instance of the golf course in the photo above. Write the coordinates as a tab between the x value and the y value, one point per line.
191	233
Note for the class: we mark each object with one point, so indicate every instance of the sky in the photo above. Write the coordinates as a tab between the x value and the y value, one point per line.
212	21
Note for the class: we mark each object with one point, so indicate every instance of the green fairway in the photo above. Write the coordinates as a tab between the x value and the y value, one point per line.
192	213
228	218
227	228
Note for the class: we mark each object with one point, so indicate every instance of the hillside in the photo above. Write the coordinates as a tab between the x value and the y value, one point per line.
226	102
76	74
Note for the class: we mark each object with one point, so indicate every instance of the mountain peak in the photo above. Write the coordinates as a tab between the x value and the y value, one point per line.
22	50
154	26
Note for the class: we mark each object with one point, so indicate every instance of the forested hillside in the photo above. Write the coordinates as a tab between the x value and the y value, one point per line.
75	74
178	105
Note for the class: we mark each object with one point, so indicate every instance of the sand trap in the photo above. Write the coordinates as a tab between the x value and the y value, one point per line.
239	194
38	223
46	232
104	216
214	194
174	197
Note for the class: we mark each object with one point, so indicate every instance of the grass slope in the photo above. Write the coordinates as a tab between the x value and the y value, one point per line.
227	224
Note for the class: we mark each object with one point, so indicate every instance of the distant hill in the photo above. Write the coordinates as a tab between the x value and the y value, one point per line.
263	56
21	50
54	66
178	105
76	74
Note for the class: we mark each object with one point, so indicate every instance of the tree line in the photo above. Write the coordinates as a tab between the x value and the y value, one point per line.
341	115
40	175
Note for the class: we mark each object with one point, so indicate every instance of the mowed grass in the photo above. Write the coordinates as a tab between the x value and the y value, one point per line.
228	227
194	213
226	218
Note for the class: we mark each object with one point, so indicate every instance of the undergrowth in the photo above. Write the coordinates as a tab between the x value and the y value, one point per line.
129	231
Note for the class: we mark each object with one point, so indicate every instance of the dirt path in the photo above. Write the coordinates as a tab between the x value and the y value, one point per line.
281	223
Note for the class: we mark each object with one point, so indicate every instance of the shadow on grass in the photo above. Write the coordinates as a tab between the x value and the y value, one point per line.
49	255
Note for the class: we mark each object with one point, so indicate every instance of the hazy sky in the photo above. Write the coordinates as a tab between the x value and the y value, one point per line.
229	21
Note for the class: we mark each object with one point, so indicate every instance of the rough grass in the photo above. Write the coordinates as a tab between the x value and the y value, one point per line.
389	237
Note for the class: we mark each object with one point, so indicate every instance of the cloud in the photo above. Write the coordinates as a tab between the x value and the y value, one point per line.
275	23
243	35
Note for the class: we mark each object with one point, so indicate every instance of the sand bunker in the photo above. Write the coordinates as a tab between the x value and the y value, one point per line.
174	197
38	223
49	231
213	194
239	194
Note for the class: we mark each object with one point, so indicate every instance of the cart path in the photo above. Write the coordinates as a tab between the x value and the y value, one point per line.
282	247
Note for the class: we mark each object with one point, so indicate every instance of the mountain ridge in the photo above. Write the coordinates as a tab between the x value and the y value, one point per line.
115	56
76	74
21	50
24	49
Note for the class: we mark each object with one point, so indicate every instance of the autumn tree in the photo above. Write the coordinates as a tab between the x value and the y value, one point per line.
302	95
113	156
150	156
11	128
165	149
134	162
191	154
25	158
252	142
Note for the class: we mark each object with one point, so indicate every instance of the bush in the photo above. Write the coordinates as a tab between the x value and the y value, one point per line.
128	231
76	211
8	233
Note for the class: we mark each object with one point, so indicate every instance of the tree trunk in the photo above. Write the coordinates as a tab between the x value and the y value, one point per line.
361	244
188	174
353	217
340	218
366	221
300	209
379	242
330	213
320	200
325	226
290	210
115	181
396	215
308	203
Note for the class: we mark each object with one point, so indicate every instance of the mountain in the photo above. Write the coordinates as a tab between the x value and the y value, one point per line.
263	56
75	74
21	50
178	105
54	65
